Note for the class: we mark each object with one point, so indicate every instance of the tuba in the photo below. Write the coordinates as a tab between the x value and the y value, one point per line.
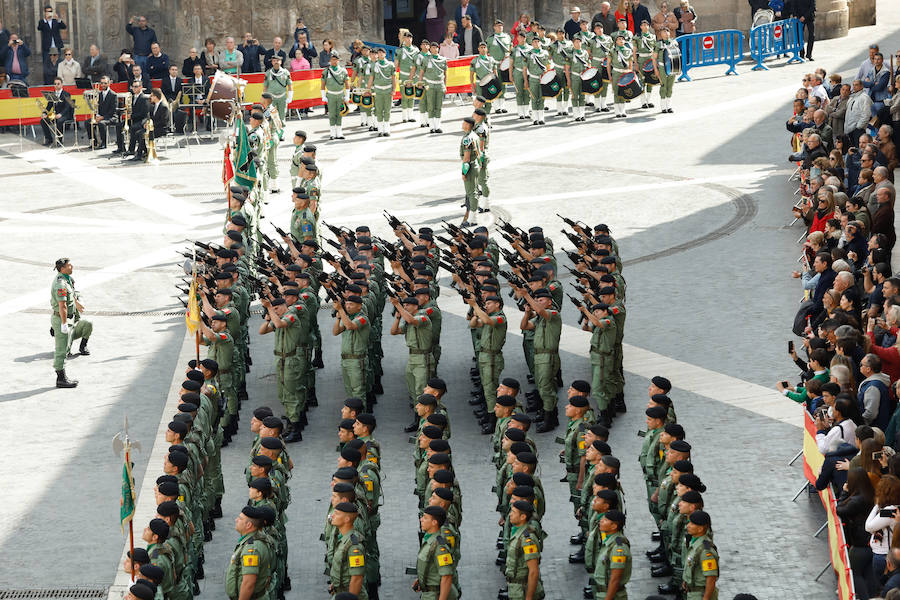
91	98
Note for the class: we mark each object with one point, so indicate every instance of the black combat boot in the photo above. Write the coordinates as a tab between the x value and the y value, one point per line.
550	422
317	359
82	348
64	382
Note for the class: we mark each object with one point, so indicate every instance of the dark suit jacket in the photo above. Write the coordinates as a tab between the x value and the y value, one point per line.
801	8
477	38
641	13
62	106
100	68
187	67
145	80
50	32
267	59
190	81
106	107
160	120
140	109
472	11
883	222
168	91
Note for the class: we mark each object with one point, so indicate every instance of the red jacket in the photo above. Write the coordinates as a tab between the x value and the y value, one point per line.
819	224
890	358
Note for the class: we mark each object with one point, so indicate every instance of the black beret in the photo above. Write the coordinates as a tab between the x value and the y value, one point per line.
192	385
166	479
611	461
347	507
680	446
159	527
444	494
662	383
185	418
187	407
300	133
610	496
262	412
353	403
523	491
140	555
179	428
601	447
178	459
356	444
527	458
656	412
152	571
699	517
616	516
469	120
440	445
599	430
348	453
142	591
437	383
345	596
675	430
273	422
510	382
437	419
690	480
239	220
661	399
261	460
271	443
480	112
252	511
168	488
683	466
521	418
578	401
506	400
439	514
167	509
367	419
692	496
409	300
343	488
346	473
443	476
262	484
191	398
219	316
439	459
524	506
346	424
432	432
426	400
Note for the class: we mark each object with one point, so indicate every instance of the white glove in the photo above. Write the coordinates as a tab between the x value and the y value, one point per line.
64	328
324	96
346	95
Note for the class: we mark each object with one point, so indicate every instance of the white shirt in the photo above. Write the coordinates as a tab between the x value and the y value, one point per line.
844	432
875	523
50	25
431	10
819	90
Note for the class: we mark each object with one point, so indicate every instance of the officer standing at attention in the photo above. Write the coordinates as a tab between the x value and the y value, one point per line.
348	563
666	81
547	326
248	573
353	327
66	323
435	566
383	79
335	89
278	83
299	141
434	72
499	44
405	58
701	559
483	131
523	557
603	337
612	566
468	152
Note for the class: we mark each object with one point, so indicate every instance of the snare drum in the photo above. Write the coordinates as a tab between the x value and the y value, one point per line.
356	96
420	90
604	73
505	70
408	90
628	86
223	95
647	70
591	80
672	60
551	84
367	99
490	87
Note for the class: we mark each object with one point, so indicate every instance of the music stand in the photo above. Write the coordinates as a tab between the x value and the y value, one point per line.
52	98
192	90
83	83
19	90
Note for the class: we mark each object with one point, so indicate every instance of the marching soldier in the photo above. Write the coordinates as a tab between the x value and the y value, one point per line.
353	327
434	74
468	152
538	64
499	44
251	565
561	53
480	67
405	59
435	567
578	60
66	303
383	78
278	83
666	82
644	49
599	47
622	31
519	76
335	91
621	60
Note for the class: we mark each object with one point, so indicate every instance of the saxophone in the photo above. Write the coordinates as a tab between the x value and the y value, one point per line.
149	142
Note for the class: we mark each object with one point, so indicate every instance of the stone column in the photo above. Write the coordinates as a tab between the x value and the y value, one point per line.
832	19
862	13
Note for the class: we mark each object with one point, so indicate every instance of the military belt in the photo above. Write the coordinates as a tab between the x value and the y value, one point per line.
546	351
519	580
430	588
352	356
694	588
492	352
285	354
418	351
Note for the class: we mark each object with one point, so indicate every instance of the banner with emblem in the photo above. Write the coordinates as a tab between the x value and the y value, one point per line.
192	314
126	510
244	167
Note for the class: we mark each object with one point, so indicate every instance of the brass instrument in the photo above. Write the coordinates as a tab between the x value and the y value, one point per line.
149	141
125	99
48	115
92	98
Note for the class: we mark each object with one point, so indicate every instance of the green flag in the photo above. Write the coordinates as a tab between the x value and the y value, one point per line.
126	512
244	167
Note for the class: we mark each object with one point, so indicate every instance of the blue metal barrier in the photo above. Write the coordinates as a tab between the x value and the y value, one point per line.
775	39
723	47
389	50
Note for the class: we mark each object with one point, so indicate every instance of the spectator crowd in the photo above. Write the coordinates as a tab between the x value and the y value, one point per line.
844	137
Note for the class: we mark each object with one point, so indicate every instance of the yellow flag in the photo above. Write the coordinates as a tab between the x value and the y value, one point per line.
192	315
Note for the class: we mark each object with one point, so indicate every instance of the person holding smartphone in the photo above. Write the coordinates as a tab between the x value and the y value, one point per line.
853	506
881	520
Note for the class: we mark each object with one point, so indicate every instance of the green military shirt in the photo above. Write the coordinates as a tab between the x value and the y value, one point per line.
277	83
520	56
578	61
499	45
434	561
603	340
538	62
295	161
614	553
482	66
251	556
522	548
701	560
348	560
434	68
648	449
560	53
356	341
599	48
573	448
547	331
382	75
303	224
63	290
362	65
334	77
586	37
418	337
163	557
469	143
493	337
406	59
221	350
644	45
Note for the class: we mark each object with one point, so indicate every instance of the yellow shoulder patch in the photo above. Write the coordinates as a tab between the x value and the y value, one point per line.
710	565
251	560
369	485
357	560
618	559
444	559
529	549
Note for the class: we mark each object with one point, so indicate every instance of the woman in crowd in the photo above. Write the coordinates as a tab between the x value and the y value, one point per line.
687	18
836	163
325	54
853	507
433	16
452	32
664	19
521	28
209	58
887	498
623	11
871	460
890	356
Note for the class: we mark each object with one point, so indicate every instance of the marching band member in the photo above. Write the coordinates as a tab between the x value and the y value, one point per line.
482	66
405	59
644	47
578	61
382	80
560	51
424	49
361	74
621	61
666	82
600	47
538	64
335	91
499	44
520	79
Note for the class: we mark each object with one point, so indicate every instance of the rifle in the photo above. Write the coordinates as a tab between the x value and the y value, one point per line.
567	221
575	239
393	221
339	232
575	257
578	303
285	234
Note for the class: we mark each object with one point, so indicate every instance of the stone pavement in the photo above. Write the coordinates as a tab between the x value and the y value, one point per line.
692	214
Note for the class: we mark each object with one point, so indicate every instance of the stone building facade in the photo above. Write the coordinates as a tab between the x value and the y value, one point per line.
180	24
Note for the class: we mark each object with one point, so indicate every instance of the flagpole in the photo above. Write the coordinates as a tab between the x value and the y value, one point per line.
130	521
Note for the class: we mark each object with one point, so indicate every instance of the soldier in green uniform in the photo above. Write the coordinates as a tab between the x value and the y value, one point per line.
644	49
290	325
607	295
480	67
620	60
701	560
435	567
303	217
623	32
601	503
547	325
348	563
405	60
299	141
335	91
278	83
415	325
429	306
493	323
156	533
538	63
523	556
383	79
353	327
519	60
276	133
361	66
483	131
599	48
66	323
221	350
256	139
424	54
561	54
579	60
499	45
666	81
574	447
251	565
603	336
468	152
656	419
612	565
434	74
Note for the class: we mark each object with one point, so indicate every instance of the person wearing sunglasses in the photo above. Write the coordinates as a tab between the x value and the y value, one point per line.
68	68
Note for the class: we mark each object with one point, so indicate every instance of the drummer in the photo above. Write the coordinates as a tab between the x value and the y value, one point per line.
405	58
666	82
644	46
578	62
538	64
622	31
499	44
361	68
482	66
585	34
599	48
621	61
520	79
560	51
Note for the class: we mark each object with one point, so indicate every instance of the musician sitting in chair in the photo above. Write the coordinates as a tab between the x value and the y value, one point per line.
58	111
172	90
199	81
140	110
103	116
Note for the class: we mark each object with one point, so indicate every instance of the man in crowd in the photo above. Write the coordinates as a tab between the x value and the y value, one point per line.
144	37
